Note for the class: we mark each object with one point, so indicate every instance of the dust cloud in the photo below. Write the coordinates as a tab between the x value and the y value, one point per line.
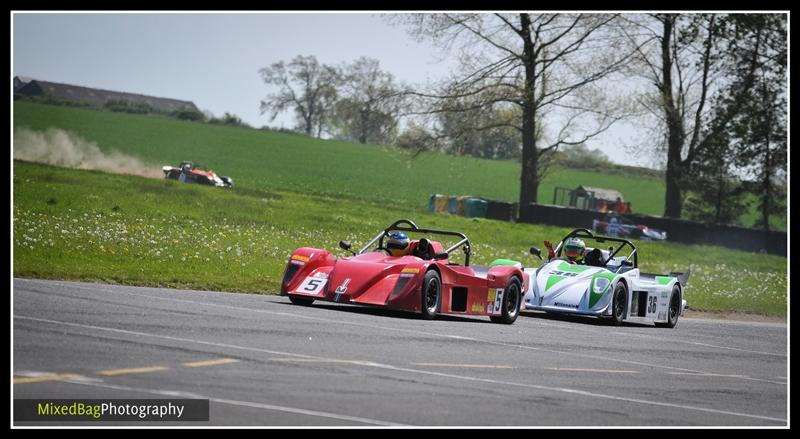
62	148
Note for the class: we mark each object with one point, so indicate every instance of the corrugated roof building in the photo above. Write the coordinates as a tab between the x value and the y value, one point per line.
96	96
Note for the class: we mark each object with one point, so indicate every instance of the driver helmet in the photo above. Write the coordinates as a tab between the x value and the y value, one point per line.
187	168
575	249
398	243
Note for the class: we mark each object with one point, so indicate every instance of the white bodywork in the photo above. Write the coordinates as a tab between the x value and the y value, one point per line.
559	286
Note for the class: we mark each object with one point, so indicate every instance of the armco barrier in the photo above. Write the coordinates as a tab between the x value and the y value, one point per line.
687	232
500	210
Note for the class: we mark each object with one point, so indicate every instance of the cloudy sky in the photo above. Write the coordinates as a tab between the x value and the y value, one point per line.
213	59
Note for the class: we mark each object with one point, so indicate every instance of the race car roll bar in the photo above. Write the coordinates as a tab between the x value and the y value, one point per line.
412	227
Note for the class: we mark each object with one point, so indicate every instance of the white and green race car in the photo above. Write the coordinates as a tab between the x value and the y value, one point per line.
608	284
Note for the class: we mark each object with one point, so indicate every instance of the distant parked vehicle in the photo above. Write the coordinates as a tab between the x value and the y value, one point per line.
190	172
618	225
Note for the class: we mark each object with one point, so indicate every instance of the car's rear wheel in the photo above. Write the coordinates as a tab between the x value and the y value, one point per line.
299	300
674	309
619	304
511	301
431	294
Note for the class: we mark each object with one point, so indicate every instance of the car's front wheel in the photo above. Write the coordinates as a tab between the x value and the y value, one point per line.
674	309
619	304
431	294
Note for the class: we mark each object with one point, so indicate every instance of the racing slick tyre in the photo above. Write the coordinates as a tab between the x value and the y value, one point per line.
619	304
511	301
431	295
305	301
674	309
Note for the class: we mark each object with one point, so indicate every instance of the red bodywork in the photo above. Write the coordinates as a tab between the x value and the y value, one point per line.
374	278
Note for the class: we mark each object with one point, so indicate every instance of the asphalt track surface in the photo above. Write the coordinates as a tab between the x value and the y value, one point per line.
262	361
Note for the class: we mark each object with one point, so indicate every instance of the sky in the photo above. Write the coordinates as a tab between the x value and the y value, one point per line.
213	59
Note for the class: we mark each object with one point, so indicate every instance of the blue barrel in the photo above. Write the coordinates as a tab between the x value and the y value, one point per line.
452	205
432	202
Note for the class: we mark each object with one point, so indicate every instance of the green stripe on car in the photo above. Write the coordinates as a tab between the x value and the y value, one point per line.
552	280
664	280
570	268
593	296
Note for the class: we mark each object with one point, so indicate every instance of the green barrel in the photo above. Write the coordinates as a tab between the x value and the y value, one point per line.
475	208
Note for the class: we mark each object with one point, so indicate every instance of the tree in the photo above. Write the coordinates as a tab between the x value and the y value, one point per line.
369	103
228	119
304	86
416	137
688	60
760	130
484	133
548	66
716	194
581	153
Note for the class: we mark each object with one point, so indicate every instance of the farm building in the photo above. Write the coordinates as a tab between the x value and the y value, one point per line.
94	96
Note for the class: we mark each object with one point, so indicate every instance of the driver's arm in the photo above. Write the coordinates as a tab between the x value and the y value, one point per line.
550	252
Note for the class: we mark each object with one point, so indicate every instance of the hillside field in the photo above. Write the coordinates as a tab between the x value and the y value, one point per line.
263	159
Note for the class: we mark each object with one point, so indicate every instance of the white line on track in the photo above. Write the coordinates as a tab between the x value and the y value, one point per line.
257	405
666	340
421	371
412	331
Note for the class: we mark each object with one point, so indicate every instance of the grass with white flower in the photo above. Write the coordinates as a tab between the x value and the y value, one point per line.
93	226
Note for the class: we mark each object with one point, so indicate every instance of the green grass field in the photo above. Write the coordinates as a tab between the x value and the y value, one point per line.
298	163
261	159
89	225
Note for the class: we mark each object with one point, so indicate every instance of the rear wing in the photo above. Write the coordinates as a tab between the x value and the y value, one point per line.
682	277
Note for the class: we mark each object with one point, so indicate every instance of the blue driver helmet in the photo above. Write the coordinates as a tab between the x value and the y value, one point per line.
398	243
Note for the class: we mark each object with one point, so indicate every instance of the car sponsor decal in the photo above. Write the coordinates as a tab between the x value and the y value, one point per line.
300	258
312	285
478	307
342	288
565	305
410	270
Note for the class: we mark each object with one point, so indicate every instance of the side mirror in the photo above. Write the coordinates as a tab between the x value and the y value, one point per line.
440	256
536	252
346	245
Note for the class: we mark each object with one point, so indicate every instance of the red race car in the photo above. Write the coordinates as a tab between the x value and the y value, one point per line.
424	280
